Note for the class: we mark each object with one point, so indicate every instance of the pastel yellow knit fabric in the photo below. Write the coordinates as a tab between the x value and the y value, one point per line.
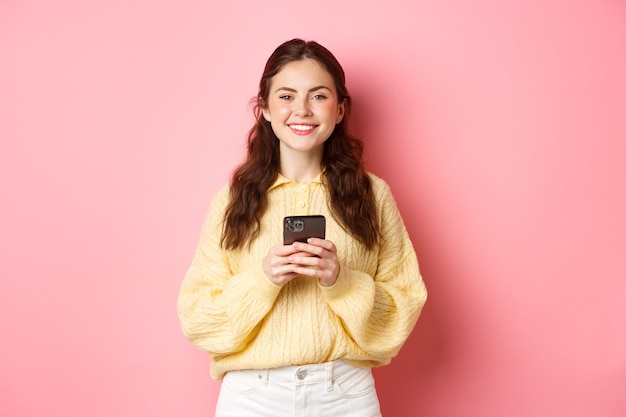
229	308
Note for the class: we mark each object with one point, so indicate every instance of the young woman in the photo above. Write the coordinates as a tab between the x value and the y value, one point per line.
295	329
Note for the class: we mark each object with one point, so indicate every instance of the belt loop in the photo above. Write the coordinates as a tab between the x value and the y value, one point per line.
265	375
329	376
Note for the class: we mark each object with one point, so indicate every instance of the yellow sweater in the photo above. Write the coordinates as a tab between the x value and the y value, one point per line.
229	308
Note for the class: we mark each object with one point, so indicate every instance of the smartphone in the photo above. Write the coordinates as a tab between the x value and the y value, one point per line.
300	228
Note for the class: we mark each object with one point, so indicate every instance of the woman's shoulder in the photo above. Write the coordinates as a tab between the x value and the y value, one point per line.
379	185
375	178
220	198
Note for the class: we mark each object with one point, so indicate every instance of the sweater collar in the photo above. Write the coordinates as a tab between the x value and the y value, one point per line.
280	180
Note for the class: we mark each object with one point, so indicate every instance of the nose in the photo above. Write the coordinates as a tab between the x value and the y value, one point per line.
302	108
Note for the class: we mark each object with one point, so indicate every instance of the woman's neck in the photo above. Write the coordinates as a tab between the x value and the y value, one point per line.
300	169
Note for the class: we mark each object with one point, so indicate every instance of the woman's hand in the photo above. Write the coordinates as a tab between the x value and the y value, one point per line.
276	264
316	258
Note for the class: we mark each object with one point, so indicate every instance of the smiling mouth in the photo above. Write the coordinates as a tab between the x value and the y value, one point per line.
302	128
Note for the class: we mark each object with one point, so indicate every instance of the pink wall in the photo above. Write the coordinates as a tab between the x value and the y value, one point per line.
500	125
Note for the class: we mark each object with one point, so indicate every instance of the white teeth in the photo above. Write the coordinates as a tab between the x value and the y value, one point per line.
302	128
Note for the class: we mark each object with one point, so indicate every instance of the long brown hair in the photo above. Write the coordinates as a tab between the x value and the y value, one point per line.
351	196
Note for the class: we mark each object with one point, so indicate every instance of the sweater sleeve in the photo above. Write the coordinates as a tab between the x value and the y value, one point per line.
220	311
379	312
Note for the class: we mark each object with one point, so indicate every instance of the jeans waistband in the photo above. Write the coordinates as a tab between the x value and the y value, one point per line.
307	374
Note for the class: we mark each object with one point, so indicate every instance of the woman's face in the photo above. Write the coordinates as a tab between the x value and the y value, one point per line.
303	107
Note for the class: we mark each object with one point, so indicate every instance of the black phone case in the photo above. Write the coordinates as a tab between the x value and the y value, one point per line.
300	228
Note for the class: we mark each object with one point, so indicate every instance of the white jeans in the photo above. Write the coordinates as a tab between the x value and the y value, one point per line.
322	390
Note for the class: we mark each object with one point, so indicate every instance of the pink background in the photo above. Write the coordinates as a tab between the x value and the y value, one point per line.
500	126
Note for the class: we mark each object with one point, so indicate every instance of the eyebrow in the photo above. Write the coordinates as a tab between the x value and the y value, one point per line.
293	90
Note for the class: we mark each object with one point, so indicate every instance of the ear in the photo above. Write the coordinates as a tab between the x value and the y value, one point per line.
341	111
266	114
265	110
